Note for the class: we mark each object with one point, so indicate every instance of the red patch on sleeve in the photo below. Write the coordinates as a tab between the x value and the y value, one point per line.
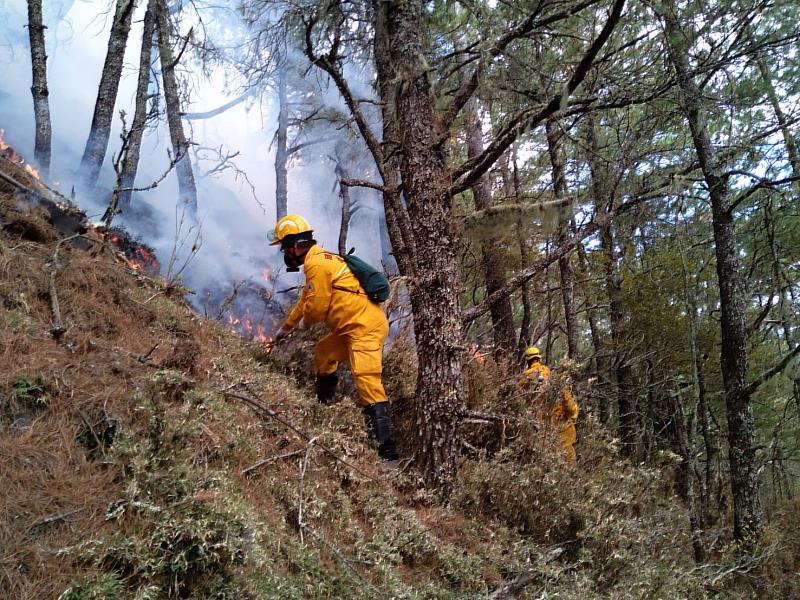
328	256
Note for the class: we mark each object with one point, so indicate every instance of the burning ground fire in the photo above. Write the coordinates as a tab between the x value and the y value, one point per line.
249	310
14	156
139	256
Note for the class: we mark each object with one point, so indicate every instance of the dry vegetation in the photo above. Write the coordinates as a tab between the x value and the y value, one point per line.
126	470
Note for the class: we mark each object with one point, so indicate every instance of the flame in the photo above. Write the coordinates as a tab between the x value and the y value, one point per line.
14	156
245	325
138	256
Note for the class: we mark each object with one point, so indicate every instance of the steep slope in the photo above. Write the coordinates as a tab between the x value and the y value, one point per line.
148	453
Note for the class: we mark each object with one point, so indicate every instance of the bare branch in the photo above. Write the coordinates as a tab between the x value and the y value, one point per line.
362	183
219	110
473	169
770	373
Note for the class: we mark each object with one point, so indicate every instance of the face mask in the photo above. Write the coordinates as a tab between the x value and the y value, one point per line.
292	262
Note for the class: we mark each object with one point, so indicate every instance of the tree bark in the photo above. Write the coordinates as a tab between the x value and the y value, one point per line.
41	104
492	253
281	152
130	165
623	376
747	513
344	194
97	143
187	189
564	264
426	183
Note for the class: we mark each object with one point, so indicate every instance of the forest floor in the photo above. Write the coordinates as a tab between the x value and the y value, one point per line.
148	452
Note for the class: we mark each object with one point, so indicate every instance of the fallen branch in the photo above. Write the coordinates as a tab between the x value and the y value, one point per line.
481	416
269	460
49	520
57	330
301	496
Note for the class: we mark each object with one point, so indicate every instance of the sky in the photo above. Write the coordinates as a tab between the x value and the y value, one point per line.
234	224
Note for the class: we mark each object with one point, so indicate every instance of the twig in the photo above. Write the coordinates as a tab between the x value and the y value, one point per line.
269	460
52	519
516	587
303	467
264	410
144	359
57	330
379	593
91	429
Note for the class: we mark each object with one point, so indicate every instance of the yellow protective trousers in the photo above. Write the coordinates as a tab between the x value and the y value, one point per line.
364	351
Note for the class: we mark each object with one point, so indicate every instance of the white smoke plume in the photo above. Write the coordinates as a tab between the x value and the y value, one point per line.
234	223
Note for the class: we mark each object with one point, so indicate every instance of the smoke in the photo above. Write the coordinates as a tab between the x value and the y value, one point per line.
234	218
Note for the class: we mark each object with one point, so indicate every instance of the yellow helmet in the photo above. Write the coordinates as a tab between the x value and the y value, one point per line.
288	225
532	352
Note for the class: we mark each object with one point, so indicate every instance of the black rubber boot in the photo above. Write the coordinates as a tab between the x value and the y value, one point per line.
326	387
380	418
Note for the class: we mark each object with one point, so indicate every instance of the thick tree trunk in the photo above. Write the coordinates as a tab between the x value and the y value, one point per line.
130	165
281	151
564	264
747	513
97	142
492	252
435	295
41	104
187	190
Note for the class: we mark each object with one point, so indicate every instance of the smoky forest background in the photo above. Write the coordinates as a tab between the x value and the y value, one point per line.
614	181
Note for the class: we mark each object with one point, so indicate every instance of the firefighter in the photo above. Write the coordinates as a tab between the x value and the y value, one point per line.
536	373
563	416
358	326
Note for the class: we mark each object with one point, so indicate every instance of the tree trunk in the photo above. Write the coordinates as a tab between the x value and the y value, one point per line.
41	105
281	152
780	116
747	513
564	264
344	194
187	190
97	142
525	324
624	392
426	184
130	165
685	432
492	253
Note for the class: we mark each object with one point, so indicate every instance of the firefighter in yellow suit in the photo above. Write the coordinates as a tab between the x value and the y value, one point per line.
358	326
564	415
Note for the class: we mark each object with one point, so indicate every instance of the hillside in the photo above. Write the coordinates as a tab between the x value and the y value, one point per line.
149	453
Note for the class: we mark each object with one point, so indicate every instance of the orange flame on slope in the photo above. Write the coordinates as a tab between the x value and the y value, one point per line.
14	156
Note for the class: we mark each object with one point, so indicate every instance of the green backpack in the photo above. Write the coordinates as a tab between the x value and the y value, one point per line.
374	282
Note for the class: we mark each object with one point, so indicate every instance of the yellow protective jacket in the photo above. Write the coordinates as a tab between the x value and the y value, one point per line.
332	294
358	326
563	416
536	373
